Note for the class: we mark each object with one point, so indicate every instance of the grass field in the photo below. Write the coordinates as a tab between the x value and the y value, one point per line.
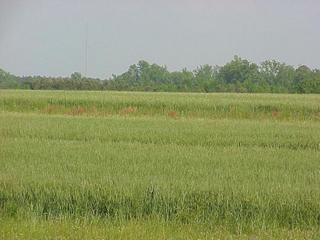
110	165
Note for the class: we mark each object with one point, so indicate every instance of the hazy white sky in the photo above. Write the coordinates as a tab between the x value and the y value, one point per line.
47	37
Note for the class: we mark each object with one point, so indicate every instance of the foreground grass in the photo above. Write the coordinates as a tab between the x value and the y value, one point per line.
154	174
68	229
244	174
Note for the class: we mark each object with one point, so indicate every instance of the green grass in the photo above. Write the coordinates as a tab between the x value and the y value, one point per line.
187	105
226	166
65	229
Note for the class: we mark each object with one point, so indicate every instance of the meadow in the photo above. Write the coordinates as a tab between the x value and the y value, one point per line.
120	165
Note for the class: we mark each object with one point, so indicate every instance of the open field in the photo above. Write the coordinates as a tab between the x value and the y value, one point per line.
159	166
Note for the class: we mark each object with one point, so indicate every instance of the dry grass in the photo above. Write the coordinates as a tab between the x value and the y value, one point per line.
77	111
51	109
275	114
173	114
128	110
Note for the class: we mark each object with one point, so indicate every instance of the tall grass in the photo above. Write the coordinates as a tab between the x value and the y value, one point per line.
189	105
241	173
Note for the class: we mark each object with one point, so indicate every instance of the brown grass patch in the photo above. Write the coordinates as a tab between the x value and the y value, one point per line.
173	114
128	110
275	114
50	109
76	111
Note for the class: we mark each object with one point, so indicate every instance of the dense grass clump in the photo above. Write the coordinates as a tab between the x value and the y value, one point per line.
127	161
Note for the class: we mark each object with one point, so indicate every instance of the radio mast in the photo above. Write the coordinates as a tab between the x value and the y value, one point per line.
86	51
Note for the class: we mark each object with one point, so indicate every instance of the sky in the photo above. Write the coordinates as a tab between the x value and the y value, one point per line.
48	37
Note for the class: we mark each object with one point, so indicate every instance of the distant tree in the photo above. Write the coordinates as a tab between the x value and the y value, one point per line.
303	76
206	78
76	76
307	80
183	80
238	70
279	76
238	75
8	80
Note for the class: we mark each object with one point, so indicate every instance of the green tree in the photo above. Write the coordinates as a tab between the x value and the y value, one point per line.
205	78
8	80
76	76
237	72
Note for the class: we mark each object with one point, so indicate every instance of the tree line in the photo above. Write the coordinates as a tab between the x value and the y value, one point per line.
238	75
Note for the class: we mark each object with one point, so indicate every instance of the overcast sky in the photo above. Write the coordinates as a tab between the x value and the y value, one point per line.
47	37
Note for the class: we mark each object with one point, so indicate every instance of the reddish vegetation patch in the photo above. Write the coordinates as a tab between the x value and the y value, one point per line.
75	111
173	114
128	110
51	109
275	114
193	115
93	110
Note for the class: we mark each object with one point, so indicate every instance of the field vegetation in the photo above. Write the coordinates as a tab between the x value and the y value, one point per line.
122	165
